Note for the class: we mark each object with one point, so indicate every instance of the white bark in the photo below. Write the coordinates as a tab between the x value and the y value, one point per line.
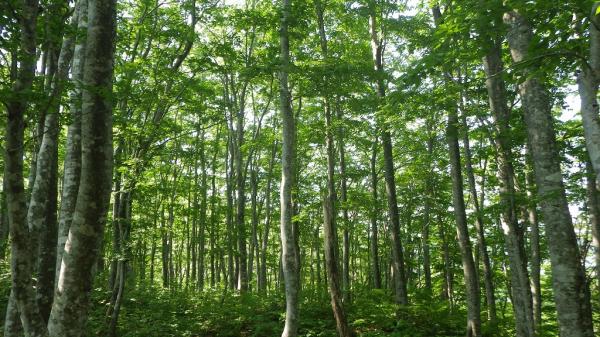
69	311
289	257
588	81
571	293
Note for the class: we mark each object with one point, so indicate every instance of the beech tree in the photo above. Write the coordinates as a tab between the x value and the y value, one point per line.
438	167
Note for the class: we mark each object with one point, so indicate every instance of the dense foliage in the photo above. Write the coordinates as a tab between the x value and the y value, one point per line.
416	152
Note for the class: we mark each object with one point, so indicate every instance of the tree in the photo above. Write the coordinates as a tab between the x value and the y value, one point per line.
571	293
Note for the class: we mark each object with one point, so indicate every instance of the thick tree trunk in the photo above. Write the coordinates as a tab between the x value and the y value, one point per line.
588	81
24	243
462	231
513	233
571	293
400	290
69	310
290	256
72	162
41	215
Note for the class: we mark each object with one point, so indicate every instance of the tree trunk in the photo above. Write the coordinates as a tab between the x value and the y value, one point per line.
241	201
203	213
593	207
41	215
331	249
488	278
374	245
344	206
265	235
23	243
588	81
536	286
427	215
69	310
72	162
571	293
291	269
513	233
400	290
229	215
462	231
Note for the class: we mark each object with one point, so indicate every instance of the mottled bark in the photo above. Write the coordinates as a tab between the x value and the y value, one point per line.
593	207
72	162
513	233
24	243
588	81
290	256
41	215
70	307
571	293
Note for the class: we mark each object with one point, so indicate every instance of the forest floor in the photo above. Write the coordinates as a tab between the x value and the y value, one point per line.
157	312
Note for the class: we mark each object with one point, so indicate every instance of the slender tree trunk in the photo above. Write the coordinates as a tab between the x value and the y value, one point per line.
41	215
448	285
400	290
427	216
214	208
290	256
241	201
203	213
330	243
571	293
593	206
254	230
374	245
536	286
481	241
4	227
266	229
229	193
462	231
344	206
69	310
